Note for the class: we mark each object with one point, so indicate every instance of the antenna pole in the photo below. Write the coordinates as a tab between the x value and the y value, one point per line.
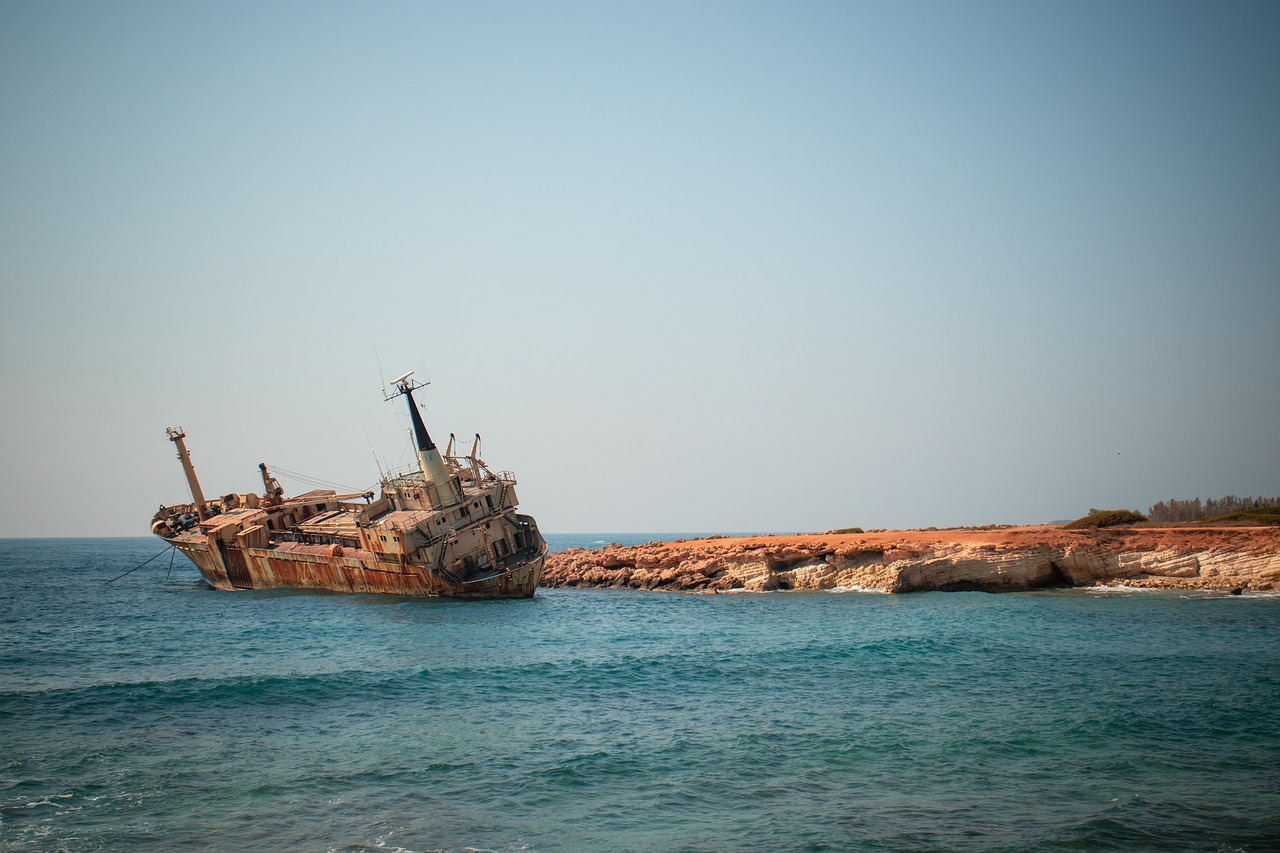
381	476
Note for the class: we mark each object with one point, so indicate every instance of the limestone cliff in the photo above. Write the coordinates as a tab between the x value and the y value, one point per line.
991	559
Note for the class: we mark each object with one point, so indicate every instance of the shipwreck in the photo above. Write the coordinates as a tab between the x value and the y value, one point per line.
447	526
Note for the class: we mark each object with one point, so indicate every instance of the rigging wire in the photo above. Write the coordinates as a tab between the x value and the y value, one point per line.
408	445
313	481
381	377
306	478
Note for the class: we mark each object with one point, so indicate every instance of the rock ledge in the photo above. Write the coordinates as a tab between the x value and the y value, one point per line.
1000	559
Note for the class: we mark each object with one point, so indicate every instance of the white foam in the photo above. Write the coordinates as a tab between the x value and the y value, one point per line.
1202	594
1119	587
49	801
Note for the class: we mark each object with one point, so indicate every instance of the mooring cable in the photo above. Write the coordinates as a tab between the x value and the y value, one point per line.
143	563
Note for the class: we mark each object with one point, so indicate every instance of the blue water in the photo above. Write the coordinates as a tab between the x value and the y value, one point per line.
156	714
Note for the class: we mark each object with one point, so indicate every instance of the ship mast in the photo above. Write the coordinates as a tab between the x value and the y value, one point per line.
429	459
176	435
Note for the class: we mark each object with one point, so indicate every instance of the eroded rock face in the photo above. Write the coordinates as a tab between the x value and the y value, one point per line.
994	560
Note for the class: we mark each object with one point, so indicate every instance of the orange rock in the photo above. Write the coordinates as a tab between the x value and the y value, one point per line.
992	558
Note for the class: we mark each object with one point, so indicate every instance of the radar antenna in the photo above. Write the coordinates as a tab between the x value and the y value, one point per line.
404	384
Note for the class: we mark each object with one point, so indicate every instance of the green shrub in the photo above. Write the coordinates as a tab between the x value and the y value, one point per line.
847	530
1266	516
1105	518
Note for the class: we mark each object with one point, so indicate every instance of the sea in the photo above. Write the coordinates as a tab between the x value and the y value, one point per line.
148	712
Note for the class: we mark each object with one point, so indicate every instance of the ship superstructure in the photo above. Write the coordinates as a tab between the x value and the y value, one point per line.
447	527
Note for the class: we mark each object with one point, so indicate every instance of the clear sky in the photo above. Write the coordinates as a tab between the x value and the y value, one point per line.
686	266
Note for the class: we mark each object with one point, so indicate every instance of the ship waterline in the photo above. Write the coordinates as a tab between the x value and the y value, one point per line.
227	564
449	527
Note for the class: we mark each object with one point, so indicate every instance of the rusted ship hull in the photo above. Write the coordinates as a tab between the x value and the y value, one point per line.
291	565
446	526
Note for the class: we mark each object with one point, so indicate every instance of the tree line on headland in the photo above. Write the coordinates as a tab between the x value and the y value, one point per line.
1175	510
1229	510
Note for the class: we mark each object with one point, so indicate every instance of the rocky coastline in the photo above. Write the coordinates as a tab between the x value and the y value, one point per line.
991	559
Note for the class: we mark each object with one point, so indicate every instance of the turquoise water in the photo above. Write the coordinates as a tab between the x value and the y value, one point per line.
156	714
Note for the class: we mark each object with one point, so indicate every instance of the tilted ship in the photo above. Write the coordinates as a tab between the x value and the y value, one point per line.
448	527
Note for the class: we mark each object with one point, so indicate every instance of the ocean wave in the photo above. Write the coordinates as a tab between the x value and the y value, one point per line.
213	689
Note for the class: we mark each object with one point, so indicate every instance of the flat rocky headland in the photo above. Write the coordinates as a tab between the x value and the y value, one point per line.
994	559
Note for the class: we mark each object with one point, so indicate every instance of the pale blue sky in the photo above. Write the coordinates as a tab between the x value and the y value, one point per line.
686	266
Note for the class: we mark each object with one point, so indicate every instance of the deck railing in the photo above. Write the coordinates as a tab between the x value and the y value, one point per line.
314	538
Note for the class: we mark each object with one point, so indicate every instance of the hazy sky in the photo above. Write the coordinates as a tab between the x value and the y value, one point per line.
686	266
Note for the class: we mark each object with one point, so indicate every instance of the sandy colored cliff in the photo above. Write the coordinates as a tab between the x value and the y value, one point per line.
992	559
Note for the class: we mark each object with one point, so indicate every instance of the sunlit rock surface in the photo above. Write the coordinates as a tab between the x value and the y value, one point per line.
996	559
